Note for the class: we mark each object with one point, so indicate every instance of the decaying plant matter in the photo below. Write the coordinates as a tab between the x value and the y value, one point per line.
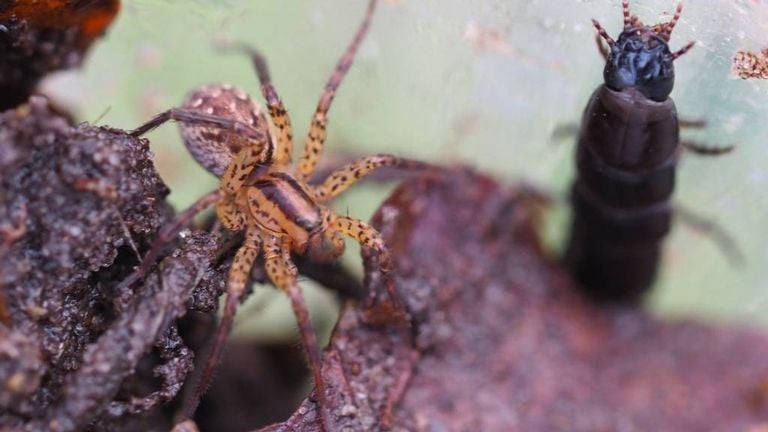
750	64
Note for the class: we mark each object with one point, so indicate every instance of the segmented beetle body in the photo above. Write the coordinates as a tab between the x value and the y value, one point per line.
628	149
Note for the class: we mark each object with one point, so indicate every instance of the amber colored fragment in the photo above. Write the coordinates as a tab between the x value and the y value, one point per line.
91	17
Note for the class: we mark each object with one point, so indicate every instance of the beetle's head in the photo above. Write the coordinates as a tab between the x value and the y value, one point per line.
640	57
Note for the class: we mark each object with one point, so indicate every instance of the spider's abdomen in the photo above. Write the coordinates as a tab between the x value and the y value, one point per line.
281	204
214	147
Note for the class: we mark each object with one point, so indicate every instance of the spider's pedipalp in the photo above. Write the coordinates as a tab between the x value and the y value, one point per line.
315	141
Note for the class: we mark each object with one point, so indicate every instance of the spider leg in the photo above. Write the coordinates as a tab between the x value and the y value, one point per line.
237	282
198	118
244	163
339	180
277	111
283	274
230	216
165	236
313	146
367	236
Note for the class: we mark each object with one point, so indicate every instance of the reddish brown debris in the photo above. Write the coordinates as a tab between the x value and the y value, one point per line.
503	343
747	64
39	37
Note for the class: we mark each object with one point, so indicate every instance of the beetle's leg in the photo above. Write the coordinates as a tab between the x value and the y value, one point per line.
277	111
710	228
704	150
237	282
313	146
339	180
283	274
198	118
685	123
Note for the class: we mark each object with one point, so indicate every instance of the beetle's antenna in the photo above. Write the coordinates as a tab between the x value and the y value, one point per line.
683	50
604	34
668	27
627	16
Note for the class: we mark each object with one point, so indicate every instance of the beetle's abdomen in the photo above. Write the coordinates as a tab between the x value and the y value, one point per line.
213	147
626	159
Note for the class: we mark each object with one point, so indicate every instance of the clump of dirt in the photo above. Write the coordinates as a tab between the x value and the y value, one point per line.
79	204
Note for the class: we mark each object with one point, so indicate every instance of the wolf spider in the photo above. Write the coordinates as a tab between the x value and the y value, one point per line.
259	192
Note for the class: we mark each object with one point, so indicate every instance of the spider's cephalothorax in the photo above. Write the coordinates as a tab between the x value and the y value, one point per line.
640	58
262	194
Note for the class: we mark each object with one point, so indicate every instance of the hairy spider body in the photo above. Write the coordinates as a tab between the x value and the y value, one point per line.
261	194
214	147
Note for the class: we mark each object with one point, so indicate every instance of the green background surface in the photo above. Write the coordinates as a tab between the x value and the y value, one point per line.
424	85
